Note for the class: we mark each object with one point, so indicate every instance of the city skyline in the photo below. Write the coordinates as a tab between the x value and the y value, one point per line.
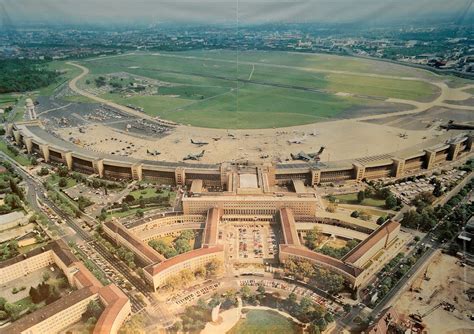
145	12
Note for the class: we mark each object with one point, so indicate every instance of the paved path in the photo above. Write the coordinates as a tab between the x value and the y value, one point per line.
229	319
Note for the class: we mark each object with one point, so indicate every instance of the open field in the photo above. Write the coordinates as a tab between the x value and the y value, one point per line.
263	322
223	89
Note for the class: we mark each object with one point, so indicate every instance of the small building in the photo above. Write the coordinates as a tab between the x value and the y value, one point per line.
12	219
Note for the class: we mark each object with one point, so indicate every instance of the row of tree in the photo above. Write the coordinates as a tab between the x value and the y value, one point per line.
187	276
303	270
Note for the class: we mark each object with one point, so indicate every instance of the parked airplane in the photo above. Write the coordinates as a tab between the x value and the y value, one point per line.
196	156
154	153
308	156
199	143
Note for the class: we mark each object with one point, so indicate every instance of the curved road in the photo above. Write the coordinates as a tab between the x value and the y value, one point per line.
85	71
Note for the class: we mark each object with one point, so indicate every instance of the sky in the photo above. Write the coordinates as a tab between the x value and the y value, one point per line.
26	12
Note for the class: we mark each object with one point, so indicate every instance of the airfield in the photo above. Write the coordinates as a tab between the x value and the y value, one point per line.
256	106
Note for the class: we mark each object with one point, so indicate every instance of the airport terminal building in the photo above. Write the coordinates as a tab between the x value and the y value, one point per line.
32	136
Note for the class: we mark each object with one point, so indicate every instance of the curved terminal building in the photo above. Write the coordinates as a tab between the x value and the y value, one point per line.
36	139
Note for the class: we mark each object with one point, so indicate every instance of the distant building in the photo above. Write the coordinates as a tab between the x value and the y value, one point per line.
62	313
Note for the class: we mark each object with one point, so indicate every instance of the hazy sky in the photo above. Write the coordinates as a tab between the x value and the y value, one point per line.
19	12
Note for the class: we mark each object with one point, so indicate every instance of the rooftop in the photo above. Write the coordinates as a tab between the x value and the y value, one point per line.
209	238
50	310
155	269
321	258
248	181
288	227
146	250
11	217
382	232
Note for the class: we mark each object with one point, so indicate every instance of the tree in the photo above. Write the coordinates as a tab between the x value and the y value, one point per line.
355	214
200	272
94	309
2	303
245	292
261	289
13	201
291	298
437	192
125	207
322	324
3	315
390	202
140	213
13	310
62	182
34	294
182	246
43	171
63	171
381	220
313	238
129	198
360	196
314	329
213	266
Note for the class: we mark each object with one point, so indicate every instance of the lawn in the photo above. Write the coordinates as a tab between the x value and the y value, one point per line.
53	180
7	99
21	159
263	322
352	199
151	192
121	214
261	89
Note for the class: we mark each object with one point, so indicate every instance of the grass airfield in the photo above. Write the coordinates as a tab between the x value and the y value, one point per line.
256	89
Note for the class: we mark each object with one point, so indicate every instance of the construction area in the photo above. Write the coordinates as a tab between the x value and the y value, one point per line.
439	299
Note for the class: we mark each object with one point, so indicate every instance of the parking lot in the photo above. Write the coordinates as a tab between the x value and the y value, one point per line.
408	190
185	297
252	242
97	196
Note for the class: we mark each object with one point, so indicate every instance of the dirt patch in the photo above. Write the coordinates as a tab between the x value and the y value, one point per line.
446	281
432	117
375	109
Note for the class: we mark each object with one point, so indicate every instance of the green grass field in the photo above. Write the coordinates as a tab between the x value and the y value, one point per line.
263	322
256	89
352	199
